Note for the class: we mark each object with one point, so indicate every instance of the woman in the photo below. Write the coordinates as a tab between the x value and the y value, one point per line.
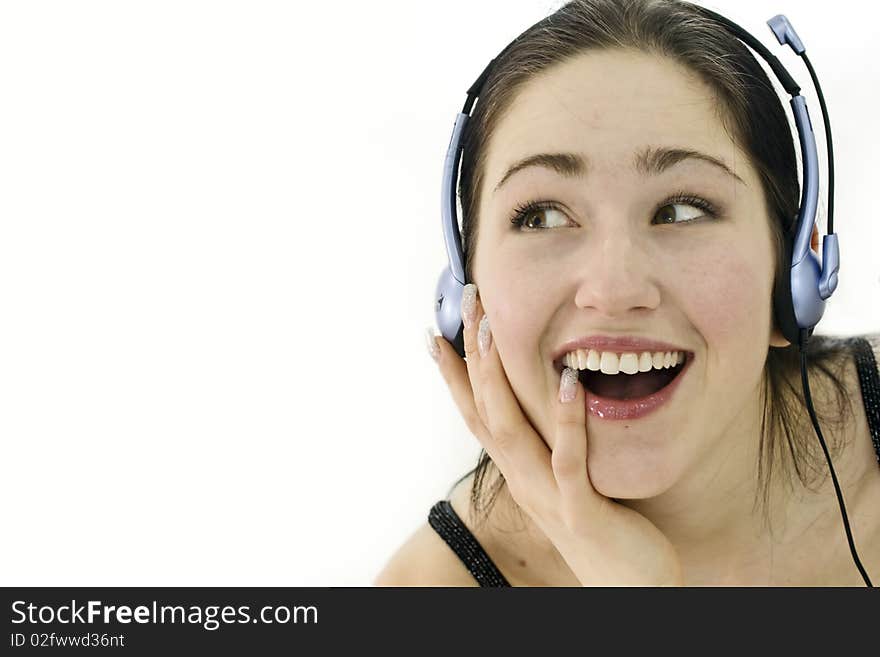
627	178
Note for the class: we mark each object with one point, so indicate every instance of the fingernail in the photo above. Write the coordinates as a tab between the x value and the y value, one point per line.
568	385
469	305
484	336
433	347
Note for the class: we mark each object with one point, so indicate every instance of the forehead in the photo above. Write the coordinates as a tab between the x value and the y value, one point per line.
607	105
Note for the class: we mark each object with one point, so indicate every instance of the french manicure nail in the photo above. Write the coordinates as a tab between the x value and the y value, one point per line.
567	385
469	304
484	336
433	347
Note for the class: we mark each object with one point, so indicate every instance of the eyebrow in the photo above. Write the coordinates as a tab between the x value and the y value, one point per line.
650	161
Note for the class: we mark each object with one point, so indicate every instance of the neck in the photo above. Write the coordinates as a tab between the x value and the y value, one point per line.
723	530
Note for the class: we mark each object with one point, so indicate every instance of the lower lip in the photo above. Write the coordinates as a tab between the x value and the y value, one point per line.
606	408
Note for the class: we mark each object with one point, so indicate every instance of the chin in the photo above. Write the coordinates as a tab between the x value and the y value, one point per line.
629	479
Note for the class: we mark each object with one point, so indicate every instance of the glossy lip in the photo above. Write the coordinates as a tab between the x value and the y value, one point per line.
606	408
622	344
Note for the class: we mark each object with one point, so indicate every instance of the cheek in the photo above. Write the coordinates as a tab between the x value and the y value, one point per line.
519	311
727	294
518	318
517	300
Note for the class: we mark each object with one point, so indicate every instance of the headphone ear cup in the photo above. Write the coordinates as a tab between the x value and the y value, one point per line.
783	306
447	309
458	340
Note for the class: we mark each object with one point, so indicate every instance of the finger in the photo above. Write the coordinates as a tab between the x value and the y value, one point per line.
520	448
454	372
578	498
471	312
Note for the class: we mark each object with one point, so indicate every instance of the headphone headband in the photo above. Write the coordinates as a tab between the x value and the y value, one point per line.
799	299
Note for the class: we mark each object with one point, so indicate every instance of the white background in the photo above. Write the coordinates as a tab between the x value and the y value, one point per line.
219	242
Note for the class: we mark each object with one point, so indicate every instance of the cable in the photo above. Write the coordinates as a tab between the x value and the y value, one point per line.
802	344
828	142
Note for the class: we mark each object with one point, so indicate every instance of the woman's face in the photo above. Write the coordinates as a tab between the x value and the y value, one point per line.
606	262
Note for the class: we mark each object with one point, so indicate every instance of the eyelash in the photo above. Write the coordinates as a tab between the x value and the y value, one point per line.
524	210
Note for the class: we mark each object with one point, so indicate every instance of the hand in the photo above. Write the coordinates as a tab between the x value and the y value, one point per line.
603	542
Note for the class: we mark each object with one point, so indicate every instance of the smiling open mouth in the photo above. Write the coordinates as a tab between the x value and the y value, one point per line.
628	386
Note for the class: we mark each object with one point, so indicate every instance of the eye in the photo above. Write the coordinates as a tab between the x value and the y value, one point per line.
683	200
534	216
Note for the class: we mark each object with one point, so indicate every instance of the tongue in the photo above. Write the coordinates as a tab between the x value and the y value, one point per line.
627	386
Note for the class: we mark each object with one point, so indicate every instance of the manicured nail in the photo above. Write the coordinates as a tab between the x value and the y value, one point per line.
433	347
484	336
469	305
568	385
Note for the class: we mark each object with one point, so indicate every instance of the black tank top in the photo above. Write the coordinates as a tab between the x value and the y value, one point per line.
451	529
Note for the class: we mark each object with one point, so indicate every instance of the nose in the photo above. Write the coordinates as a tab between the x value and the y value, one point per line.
617	277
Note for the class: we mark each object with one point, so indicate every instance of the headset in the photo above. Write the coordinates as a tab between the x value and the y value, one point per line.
798	299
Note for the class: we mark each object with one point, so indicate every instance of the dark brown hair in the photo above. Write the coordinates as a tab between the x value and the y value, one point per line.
752	114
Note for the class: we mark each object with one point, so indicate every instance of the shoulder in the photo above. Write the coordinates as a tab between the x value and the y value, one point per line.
425	559
874	340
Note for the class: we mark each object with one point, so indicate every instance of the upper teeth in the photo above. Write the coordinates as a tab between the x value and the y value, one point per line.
609	362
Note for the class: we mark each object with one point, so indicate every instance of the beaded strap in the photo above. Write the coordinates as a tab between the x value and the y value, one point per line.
869	378
446	522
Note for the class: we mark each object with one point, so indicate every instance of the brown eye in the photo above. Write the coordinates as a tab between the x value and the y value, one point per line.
535	217
667	213
535	220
